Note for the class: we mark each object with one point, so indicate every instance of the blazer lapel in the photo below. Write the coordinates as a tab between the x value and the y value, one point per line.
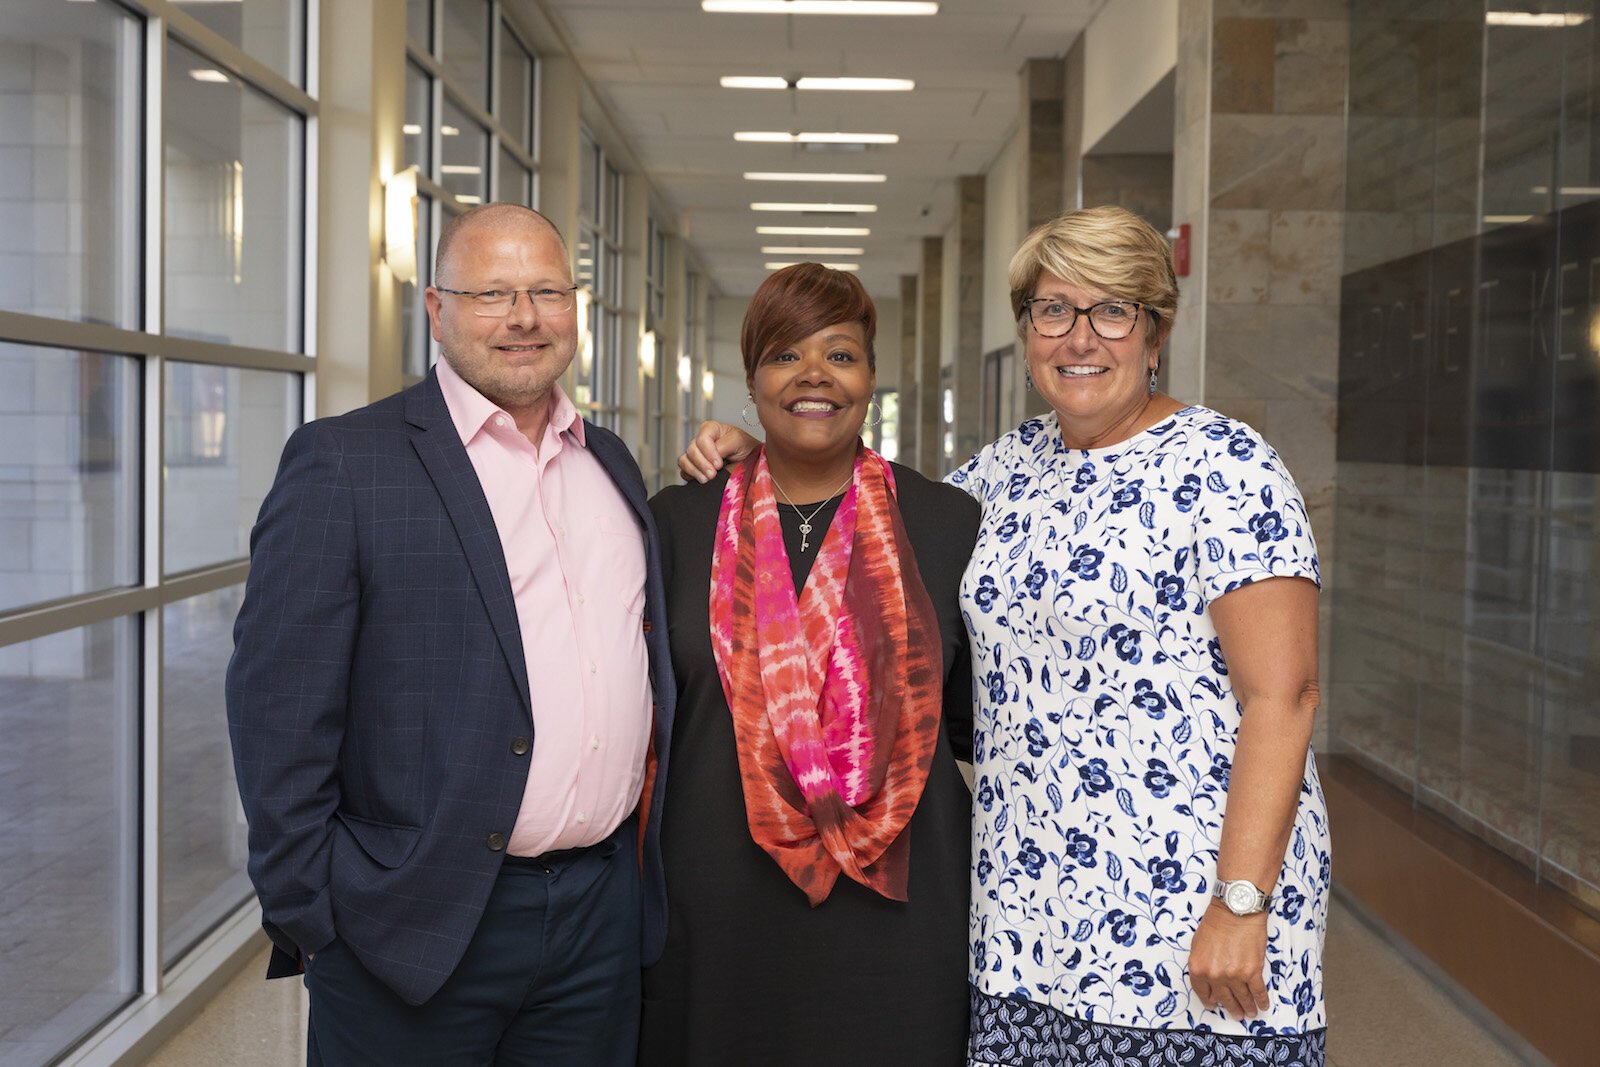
439	446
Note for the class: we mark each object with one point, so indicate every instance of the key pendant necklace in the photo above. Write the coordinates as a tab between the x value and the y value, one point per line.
805	520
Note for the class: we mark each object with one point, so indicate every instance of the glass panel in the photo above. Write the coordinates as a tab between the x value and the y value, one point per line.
203	847
586	253
464	155
466	47
69	482
225	428
69	846
234	216
516	88
414	313
612	201
419	119
589	180
419	23
70	162
514	180
1465	667
272	31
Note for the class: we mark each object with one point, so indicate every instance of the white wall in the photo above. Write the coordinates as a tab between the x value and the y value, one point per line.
1004	215
1128	47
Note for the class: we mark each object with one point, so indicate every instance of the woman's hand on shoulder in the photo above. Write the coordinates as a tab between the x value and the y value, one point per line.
714	444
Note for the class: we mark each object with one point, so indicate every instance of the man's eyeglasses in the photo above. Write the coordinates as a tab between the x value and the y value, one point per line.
497	303
1111	319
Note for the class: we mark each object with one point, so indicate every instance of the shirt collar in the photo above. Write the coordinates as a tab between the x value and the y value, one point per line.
470	410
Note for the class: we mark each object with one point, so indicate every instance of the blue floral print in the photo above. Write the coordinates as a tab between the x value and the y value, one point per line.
1104	737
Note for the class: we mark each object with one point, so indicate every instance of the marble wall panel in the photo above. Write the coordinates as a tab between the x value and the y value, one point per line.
1140	183
1282	163
1305	252
1242	66
1309	66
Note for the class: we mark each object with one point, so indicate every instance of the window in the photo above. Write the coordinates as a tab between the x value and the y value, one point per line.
142	419
597	384
469	145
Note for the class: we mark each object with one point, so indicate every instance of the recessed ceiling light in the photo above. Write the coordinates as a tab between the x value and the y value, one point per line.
780	137
206	74
835	266
819	7
785	176
1531	19
802	250
865	85
831	209
814	231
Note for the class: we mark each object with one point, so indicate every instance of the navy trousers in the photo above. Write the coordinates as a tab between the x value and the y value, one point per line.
551	976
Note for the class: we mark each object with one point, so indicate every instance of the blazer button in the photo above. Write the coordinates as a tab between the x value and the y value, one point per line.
519	745
497	841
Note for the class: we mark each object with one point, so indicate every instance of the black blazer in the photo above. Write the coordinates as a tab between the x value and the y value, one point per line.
378	687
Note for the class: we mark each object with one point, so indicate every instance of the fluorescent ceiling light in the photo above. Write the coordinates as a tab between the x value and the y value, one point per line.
851	84
819	7
835	266
784	176
869	85
1569	190
835	209
460	168
411	129
1531	19
801	250
1507	218
813	231
206	74
780	137
450	131
466	198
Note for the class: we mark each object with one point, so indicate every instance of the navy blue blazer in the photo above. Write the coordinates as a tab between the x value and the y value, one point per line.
377	692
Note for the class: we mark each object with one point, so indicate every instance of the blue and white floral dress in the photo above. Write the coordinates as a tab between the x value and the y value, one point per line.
1104	734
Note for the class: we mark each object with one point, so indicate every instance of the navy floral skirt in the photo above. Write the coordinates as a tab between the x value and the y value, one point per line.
1019	1033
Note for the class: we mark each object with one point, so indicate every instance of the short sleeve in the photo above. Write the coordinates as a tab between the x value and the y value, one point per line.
1250	521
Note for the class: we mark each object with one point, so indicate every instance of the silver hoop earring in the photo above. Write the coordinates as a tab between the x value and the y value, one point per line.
871	419
1152	383
744	412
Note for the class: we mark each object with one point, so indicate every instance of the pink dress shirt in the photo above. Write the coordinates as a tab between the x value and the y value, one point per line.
575	553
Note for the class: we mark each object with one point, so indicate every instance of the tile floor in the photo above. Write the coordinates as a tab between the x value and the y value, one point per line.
1383	1011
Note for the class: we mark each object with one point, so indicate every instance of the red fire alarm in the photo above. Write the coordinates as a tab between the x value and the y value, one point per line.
1180	249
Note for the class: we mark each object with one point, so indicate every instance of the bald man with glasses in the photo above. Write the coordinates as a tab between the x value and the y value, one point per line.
444	688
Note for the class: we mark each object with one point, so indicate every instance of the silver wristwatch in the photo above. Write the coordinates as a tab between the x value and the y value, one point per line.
1241	897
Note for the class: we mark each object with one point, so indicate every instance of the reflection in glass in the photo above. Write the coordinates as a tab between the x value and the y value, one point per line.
69	846
203	847
466	47
1464	662
272	31
516	88
70	156
69	483
589	179
515	180
224	430
418	128
235	189
463	155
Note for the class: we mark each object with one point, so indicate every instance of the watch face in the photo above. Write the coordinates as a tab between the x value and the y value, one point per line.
1240	897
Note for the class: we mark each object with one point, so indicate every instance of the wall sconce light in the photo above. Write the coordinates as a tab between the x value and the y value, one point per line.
647	353
400	225
708	385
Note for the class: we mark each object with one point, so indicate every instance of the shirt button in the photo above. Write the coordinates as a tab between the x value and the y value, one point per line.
594	742
582	818
497	841
580	598
592	667
519	745
501	421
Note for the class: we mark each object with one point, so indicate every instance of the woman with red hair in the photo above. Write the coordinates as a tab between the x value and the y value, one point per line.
816	828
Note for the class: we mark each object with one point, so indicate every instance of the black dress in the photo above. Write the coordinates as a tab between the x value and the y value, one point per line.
752	974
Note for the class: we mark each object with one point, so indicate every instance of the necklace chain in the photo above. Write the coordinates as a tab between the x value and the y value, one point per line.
805	520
